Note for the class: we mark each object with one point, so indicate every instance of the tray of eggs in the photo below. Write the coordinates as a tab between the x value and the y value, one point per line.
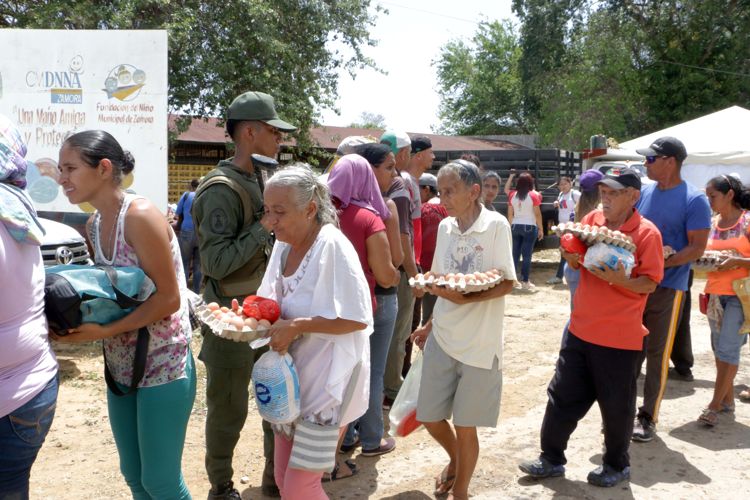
591	235
461	282
230	323
711	259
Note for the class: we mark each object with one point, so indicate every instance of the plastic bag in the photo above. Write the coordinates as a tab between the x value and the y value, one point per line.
403	415
276	388
609	255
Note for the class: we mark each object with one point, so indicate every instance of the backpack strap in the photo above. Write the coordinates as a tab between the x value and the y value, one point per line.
247	204
139	365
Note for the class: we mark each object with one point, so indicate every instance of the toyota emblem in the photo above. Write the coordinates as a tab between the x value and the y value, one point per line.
63	255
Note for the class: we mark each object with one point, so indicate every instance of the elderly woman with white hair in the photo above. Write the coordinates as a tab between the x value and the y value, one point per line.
463	341
315	275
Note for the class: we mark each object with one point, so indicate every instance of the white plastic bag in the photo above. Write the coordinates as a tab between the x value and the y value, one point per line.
403	415
276	388
603	254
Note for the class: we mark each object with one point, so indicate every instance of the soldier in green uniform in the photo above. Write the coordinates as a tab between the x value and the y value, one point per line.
234	249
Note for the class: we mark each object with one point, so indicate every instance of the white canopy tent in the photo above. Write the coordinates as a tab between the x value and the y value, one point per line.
718	143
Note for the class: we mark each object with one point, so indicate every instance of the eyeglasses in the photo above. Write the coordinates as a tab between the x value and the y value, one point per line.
652	159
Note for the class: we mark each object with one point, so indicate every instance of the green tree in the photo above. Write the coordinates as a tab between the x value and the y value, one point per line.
692	56
597	88
370	120
290	48
479	86
546	28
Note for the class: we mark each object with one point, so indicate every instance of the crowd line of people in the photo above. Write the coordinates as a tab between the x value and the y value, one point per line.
336	251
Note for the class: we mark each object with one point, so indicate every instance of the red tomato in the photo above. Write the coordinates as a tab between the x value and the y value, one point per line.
571	244
251	310
269	310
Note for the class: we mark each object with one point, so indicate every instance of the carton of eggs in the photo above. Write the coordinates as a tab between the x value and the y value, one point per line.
231	324
711	259
464	283
591	235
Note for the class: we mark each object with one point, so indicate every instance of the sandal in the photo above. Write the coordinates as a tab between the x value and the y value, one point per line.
709	417
444	483
335	475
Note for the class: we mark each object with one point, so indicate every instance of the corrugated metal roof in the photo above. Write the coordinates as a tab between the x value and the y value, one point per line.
327	137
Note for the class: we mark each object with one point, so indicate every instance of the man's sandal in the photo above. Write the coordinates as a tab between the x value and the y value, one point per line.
444	483
709	417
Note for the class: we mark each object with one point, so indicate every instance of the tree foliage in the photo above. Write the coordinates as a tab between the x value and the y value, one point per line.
478	83
619	67
291	49
370	120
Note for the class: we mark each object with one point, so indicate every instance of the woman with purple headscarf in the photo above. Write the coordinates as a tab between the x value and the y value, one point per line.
356	194
28	368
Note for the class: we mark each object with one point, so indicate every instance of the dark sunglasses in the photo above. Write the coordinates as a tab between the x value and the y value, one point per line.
652	159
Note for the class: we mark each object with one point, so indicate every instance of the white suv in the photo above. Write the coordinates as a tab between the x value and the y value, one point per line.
63	245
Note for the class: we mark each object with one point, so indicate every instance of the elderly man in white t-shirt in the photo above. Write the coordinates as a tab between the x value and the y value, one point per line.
461	372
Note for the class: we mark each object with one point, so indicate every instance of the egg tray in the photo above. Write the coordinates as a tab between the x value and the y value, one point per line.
460	285
591	235
711	259
227	331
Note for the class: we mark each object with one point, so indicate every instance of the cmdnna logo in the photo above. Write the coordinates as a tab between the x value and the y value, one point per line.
64	86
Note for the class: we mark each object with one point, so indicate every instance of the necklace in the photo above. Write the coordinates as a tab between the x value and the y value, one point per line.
112	233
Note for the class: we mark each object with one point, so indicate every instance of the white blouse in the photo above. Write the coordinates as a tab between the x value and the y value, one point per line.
329	283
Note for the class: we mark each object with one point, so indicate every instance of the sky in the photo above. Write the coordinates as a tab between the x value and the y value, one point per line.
409	40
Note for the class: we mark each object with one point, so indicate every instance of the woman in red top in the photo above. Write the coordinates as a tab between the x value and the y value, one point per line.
356	190
730	230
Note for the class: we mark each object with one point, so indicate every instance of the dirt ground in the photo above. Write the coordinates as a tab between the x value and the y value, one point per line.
686	460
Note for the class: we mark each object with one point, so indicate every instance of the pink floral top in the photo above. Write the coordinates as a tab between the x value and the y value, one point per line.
168	346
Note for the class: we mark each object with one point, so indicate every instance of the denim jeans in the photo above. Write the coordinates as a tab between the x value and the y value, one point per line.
189	251
572	277
22	433
524	237
726	342
370	425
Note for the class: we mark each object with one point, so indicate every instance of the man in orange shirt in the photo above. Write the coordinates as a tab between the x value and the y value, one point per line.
599	357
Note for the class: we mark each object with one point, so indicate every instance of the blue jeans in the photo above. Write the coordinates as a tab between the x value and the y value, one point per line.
149	429
22	434
572	277
189	251
524	237
725	341
370	425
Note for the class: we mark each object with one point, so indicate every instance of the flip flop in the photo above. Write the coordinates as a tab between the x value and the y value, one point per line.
444	483
334	475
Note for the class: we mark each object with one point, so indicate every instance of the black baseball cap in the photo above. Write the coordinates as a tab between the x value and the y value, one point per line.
420	143
665	146
621	179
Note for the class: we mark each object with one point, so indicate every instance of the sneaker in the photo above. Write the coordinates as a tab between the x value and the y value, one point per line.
541	467
224	491
644	429
528	286
387	445
606	477
554	281
687	376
